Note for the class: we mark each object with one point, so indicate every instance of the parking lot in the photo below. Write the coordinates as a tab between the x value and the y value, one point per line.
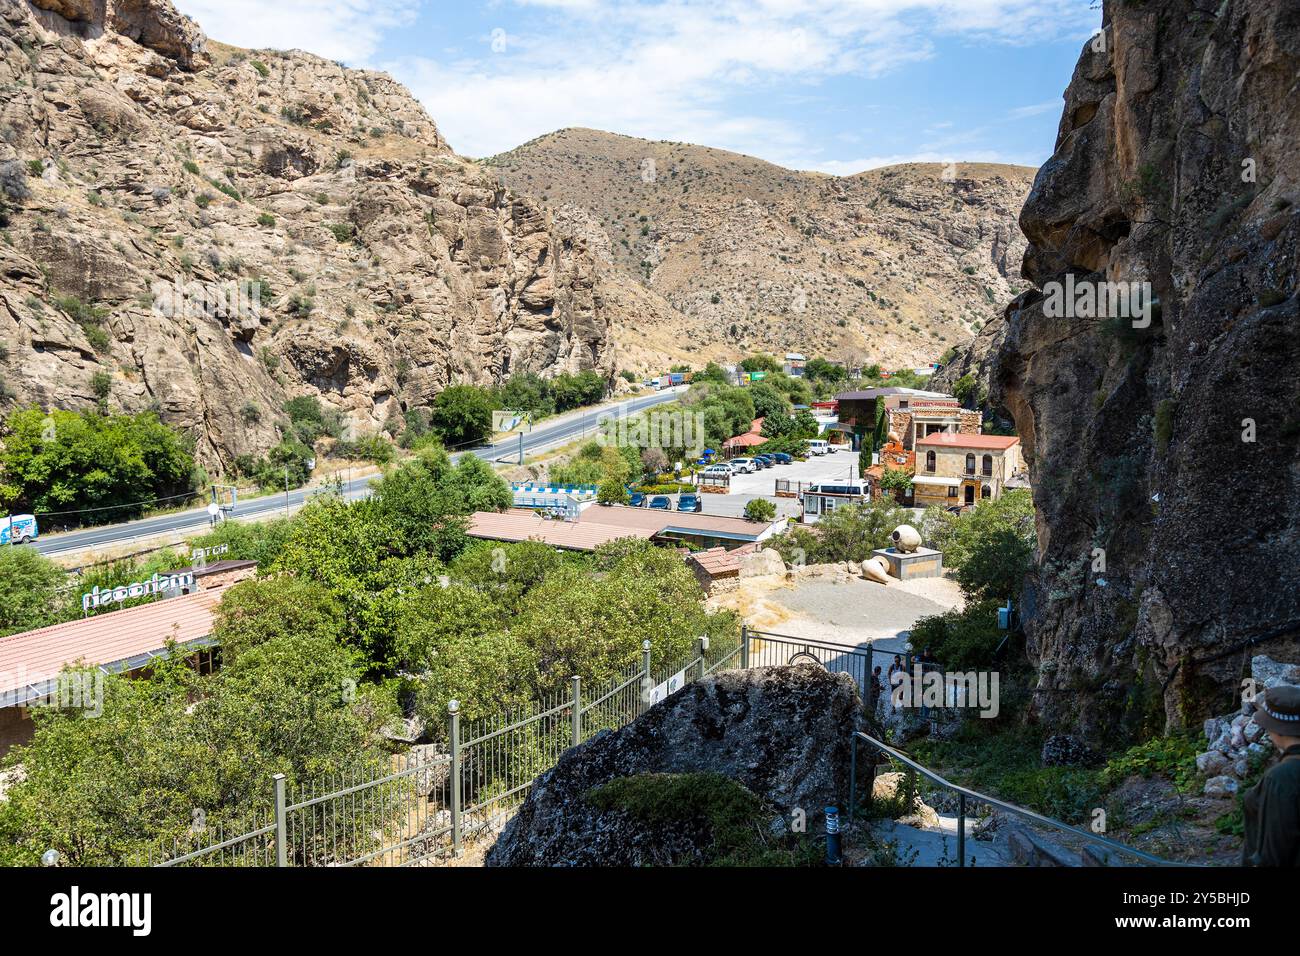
762	484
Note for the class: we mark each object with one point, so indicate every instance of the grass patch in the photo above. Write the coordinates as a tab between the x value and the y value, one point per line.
736	818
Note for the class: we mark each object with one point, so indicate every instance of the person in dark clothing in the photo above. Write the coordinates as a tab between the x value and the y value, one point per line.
1272	806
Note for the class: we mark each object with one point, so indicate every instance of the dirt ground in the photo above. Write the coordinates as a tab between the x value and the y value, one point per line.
823	604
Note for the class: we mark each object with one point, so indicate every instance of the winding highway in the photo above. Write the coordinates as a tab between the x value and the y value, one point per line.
550	433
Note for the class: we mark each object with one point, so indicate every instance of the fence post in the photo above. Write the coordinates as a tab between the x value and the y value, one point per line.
701	648
961	829
744	647
281	826
647	681
453	732
577	710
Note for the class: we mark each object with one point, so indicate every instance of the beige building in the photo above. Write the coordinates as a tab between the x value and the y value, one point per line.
960	469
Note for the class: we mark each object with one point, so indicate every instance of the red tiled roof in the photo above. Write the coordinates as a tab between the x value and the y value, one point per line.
990	442
747	440
721	563
518	524
113	638
657	521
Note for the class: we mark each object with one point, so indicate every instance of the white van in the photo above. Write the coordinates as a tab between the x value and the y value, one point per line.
818	446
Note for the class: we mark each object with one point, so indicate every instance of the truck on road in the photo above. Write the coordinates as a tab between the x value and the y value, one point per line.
18	529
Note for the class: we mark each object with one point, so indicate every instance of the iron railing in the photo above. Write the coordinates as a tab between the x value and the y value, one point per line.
425	805
964	795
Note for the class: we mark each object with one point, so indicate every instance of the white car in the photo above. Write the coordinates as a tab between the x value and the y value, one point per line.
744	465
720	469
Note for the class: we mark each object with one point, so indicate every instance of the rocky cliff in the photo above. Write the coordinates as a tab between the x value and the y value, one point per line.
1164	446
138	158
891	265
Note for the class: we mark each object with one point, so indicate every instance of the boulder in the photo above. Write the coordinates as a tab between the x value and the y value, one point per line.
1221	786
762	563
1270	673
1067	750
1212	763
782	732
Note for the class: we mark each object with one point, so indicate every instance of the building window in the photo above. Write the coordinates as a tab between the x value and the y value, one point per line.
929	461
952	491
986	492
987	465
970	464
902	405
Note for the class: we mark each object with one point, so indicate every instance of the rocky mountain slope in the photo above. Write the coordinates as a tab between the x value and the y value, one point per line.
135	155
892	265
1165	459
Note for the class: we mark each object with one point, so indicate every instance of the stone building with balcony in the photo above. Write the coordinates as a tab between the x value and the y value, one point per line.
962	469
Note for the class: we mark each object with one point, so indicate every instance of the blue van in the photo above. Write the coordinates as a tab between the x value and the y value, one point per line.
18	529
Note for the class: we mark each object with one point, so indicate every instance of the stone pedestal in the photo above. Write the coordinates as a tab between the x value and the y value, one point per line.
921	563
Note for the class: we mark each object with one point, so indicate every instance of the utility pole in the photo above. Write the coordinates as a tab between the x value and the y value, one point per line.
521	448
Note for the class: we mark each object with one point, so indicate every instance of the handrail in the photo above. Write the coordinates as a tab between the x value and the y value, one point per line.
965	793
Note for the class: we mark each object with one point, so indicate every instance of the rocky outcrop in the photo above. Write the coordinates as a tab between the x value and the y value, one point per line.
370	265
1164	448
782	732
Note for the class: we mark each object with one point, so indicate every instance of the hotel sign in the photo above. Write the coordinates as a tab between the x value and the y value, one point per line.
158	584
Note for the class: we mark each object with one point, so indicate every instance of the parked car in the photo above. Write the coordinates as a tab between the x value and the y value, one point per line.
763	461
637	500
782	458
661	503
818	446
689	502
721	468
743	465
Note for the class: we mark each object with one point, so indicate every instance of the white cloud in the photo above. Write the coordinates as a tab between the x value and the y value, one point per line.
702	71
676	70
347	30
1037	109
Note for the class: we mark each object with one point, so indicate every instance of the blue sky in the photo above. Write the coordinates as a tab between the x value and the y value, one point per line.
833	85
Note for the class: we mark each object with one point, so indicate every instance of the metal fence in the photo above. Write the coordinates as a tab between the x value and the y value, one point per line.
867	752
424	806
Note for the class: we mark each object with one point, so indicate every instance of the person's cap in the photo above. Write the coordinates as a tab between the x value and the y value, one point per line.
1278	709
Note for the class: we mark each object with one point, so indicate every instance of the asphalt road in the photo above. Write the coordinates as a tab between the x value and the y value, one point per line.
548	434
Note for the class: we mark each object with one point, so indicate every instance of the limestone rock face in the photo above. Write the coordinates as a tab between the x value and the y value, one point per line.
1175	447
141	159
783	732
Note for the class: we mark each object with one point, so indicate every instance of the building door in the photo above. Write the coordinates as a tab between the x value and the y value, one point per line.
970	494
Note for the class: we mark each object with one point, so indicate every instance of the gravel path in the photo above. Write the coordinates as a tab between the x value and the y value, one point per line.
852	612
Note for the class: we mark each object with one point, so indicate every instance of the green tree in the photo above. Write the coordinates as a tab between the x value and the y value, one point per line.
768	400
29	585
612	492
254	612
70	461
993	547
760	509
102	789
461	415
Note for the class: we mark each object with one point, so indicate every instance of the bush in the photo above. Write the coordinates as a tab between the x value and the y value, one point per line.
88	461
961	640
367	448
29	596
612	492
760	509
461	415
992	547
850	533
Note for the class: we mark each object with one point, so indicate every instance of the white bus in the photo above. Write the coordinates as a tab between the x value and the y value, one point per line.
818	446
